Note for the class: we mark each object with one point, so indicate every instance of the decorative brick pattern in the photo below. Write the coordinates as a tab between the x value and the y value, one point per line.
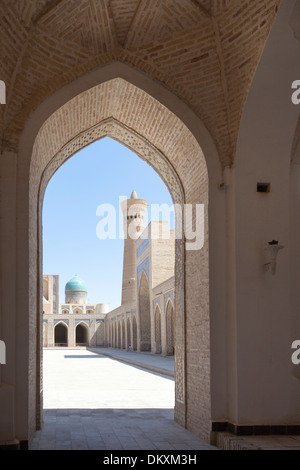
169	296
87	322
156	302
142	246
55	322
144	266
205	51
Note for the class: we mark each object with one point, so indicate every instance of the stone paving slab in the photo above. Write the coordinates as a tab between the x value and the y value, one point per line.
128	430
103	400
94	402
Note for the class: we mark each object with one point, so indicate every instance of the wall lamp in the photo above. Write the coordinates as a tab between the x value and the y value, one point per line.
271	252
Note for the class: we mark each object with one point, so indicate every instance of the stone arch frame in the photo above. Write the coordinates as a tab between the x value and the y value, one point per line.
157	160
61	322
28	190
157	330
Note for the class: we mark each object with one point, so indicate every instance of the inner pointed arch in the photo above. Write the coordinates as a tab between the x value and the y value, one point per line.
119	132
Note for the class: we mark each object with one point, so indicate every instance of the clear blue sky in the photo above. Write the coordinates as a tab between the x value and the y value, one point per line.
98	174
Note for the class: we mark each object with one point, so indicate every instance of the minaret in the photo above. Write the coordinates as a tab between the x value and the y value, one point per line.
134	223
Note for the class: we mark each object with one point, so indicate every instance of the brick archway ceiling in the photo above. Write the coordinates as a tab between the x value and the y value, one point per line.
205	51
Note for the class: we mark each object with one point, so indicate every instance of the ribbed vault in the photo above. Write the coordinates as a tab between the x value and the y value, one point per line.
206	52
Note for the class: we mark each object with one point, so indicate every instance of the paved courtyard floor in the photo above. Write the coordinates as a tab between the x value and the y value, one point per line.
92	401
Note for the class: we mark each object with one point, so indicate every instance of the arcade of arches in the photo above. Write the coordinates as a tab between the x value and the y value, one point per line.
201	91
148	288
61	334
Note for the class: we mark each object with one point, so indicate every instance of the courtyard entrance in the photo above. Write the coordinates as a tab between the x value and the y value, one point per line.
81	335
93	401
162	151
61	335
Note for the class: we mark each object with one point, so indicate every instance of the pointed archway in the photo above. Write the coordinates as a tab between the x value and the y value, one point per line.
81	334
61	334
161	138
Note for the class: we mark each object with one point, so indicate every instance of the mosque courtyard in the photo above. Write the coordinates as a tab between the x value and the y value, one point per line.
93	401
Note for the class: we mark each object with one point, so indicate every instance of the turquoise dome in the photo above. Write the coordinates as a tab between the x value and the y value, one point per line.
76	284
